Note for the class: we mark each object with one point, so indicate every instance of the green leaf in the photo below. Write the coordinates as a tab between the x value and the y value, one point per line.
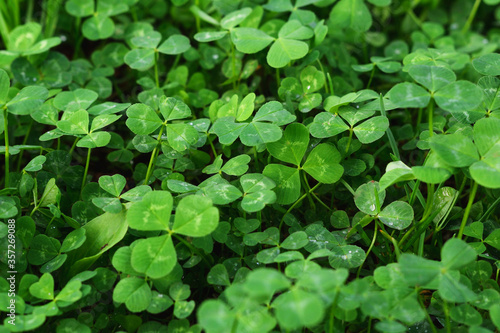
258	133
432	77
397	215
209	36
255	182
237	165
152	213
275	113
181	136
409	95
395	172
372	129
172	108
256	201
215	317
22	37
250	40
452	290
346	256
111	205
326	125
246	107
76	123
98	27
366	200
4	86
103	120
51	194
195	216
312	79
140	59
175	44
264	282
292	146
288	180
295	241
154	256
284	50
487	136
487	64
28	100
456	253
70	293
114	185
149	40
417	270
323	164
73	240
297	308
43	249
493	239
35	164
142	119
75	100
44	288
218	276
227	130
94	140
134	292
466	314
351	14
459	97
234	18
80	8
486	172
456	149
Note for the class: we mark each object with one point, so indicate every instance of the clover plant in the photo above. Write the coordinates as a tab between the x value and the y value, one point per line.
249	166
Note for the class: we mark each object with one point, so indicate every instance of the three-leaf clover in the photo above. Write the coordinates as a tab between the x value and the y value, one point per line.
305	92
263	128
322	163
288	46
143	120
114	185
144	56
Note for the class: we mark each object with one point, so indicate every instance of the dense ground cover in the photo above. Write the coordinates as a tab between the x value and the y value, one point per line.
250	166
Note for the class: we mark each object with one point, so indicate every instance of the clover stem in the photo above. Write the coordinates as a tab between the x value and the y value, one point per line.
447	316
371	78
24	142
308	188
29	11
296	203
323	70
427	316
369	249
472	14
430	114
212	145
430	199
393	241
6	136
86	170
348	187
349	141
330	82
153	157
472	195
4	31
157	78
73	146
194	249
490	210
233	63
278	80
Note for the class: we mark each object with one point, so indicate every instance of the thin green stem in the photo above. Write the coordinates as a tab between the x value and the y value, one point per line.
296	203
86	171
348	187
372	74
472	195
308	189
330	82
324	73
152	159
446	310
369	250
4	30
388	132
430	114
157	77
278	80
24	142
393	241
470	19
194	249
349	141
427	316
73	146
29	11
6	136
490	209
